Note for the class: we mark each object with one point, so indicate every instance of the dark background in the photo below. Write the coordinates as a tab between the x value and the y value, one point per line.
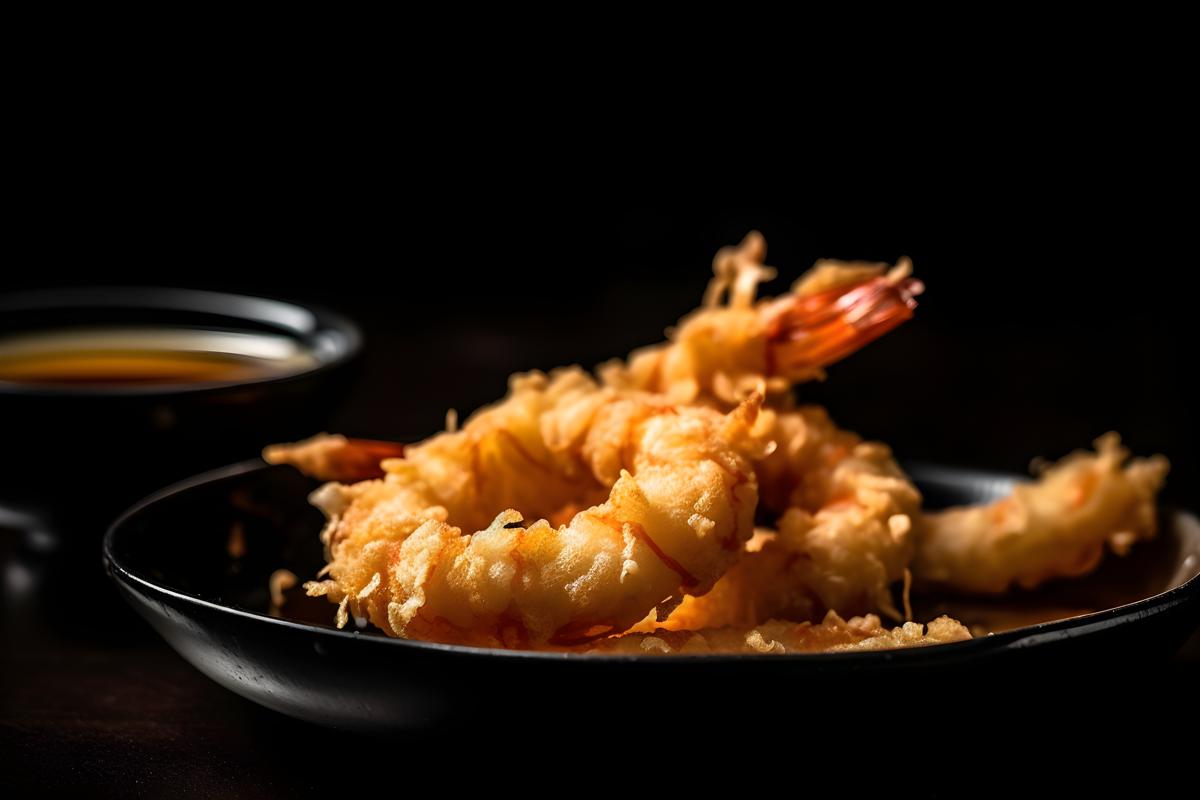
492	209
1054	311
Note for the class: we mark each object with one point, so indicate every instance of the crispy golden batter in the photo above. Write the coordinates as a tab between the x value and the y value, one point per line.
680	501
1057	526
847	511
564	514
846	532
845	537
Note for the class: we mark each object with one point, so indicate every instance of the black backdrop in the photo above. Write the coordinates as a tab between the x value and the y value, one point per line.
1056	238
1053	312
1056	309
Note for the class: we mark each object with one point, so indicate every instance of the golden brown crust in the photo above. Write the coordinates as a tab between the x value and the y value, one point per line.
1057	526
676	497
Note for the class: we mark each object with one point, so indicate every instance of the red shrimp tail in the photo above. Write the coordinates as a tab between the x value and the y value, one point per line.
336	458
806	333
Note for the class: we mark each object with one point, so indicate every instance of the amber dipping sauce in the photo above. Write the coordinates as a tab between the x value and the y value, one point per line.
147	356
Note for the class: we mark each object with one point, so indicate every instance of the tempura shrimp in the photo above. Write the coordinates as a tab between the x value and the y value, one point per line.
846	508
618	514
842	544
1057	526
658	500
721	353
845	534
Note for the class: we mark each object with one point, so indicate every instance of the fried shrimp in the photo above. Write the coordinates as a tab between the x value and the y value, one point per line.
776	637
617	514
845	508
847	512
1057	526
657	500
844	538
721	353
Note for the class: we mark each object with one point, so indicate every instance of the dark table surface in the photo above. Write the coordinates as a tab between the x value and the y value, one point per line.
92	701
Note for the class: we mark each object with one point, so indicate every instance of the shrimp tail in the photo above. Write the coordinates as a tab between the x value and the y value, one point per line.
333	457
734	344
808	330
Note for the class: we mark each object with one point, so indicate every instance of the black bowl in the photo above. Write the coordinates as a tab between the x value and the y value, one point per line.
76	456
171	558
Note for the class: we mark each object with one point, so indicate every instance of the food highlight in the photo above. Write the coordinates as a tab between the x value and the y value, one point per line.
615	513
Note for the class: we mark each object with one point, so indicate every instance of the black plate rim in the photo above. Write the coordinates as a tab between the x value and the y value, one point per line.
1018	638
349	344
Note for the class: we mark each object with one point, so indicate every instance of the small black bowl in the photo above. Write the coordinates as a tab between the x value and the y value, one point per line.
195	561
75	456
